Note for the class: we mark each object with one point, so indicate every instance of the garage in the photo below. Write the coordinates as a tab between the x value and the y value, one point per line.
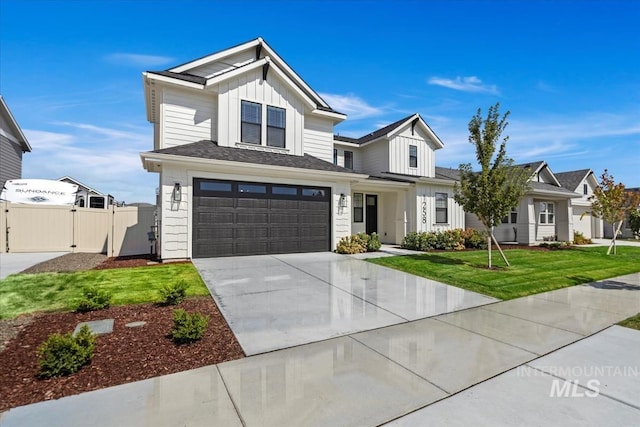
582	223
232	218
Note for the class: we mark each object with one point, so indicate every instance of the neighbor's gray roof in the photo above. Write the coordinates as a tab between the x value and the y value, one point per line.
542	186
181	76
533	165
570	180
447	173
210	150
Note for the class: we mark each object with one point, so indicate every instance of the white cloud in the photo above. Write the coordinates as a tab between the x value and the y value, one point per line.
137	60
351	105
545	87
104	158
464	84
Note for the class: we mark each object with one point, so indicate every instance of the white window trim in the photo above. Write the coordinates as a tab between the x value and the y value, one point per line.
263	127
545	213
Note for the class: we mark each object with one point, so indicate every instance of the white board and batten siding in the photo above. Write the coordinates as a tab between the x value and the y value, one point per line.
187	117
375	158
273	92
426	209
399	154
318	138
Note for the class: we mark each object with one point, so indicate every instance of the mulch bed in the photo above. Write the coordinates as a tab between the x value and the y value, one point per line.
126	355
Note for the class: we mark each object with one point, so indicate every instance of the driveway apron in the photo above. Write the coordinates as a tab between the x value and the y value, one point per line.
275	302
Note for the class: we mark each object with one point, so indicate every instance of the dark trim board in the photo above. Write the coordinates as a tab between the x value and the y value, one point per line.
232	218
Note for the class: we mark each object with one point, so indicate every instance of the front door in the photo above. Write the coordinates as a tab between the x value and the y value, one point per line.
372	214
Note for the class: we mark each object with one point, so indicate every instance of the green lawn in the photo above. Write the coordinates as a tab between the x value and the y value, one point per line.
632	322
28	293
531	271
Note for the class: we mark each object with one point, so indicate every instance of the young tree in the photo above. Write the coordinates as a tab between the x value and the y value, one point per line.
634	222
499	186
612	202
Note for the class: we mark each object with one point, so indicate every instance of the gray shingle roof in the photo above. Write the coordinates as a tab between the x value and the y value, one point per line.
210	150
382	131
447	173
345	139
542	186
571	179
532	165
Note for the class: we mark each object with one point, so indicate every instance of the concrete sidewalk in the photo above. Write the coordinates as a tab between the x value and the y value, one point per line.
491	365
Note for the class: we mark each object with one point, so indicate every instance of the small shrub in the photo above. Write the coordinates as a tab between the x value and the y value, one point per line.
474	239
353	244
579	239
94	299
427	241
411	241
173	294
188	327
65	354
373	244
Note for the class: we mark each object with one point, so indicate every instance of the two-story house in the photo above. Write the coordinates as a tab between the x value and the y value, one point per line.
13	144
583	182
248	163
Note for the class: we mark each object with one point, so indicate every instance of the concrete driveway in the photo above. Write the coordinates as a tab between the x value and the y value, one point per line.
11	263
273	302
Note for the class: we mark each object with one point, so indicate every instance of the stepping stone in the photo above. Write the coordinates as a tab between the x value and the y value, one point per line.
98	327
136	324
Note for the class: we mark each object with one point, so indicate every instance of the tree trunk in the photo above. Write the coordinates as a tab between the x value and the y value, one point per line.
500	250
613	240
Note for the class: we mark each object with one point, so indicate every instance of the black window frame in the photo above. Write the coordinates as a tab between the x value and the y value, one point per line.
335	156
358	207
93	205
413	157
350	164
440	209
585	189
244	122
283	128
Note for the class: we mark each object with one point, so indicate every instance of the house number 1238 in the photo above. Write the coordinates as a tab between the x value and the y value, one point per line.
424	212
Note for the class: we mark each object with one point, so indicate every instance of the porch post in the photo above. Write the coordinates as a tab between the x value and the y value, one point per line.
401	216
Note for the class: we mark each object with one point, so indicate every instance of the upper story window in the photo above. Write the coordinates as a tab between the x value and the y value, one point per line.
585	189
251	124
276	120
251	120
441	208
335	156
547	211
348	159
413	156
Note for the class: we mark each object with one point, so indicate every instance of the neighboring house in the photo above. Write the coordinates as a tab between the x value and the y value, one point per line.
545	212
582	182
248	163
87	197
625	231
13	144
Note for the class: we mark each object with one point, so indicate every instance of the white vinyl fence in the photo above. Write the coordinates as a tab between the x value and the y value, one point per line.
117	231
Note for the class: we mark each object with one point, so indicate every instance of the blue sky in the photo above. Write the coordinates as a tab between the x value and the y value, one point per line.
568	71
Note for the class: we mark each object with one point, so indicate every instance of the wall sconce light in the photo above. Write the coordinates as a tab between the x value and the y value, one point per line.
177	192
342	202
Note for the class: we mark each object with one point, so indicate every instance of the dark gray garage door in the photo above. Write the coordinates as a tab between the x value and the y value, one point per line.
248	218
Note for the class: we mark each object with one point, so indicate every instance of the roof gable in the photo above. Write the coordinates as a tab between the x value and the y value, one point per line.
217	67
389	131
572	179
10	128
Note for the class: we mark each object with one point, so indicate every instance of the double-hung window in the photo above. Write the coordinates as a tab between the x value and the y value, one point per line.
276	120
547	213
335	156
251	120
251	131
348	159
413	156
358	208
441	208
